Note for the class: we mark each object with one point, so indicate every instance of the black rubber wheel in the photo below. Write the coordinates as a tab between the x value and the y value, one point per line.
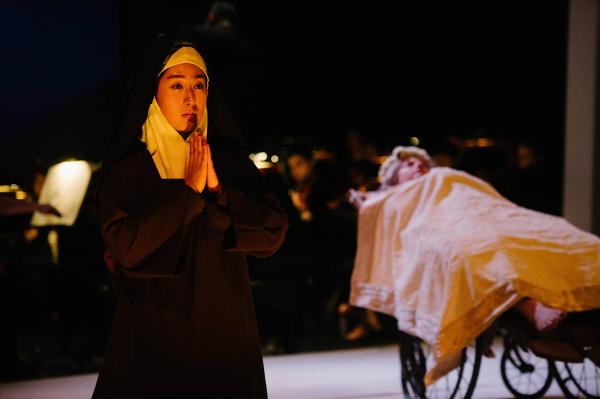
459	383
524	374
578	380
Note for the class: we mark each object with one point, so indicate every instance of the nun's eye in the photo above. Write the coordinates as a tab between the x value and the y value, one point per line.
199	86
177	86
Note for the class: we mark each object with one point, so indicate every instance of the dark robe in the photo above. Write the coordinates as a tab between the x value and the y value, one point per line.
184	324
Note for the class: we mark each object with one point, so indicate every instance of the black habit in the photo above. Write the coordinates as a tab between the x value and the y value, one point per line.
184	323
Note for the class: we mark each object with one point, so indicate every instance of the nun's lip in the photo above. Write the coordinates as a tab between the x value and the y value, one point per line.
189	115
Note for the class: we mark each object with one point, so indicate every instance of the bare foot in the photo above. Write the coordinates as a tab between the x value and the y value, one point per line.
543	317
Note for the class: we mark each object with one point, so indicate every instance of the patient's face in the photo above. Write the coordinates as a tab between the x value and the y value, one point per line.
411	168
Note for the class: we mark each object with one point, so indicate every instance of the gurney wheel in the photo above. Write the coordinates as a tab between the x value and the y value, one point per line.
459	383
525	375
578	379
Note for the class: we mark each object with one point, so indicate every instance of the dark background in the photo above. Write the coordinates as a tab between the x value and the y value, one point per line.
467	69
392	70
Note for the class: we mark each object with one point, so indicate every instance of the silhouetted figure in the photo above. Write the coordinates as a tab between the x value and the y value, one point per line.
358	159
14	280
531	185
319	196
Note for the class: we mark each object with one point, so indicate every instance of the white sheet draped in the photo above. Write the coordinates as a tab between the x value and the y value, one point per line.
446	255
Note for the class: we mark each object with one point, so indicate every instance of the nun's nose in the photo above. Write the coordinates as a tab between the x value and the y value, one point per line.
190	98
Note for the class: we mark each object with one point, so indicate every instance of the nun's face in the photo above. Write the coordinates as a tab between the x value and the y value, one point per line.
181	96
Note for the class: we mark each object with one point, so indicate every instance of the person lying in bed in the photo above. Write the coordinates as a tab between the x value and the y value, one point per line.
408	163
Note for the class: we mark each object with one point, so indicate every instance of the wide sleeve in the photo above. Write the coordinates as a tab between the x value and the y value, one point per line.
145	232
258	226
256	222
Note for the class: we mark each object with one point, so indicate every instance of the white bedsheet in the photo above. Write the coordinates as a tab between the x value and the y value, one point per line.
446	255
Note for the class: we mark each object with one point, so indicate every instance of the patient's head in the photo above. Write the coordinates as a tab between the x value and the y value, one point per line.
404	164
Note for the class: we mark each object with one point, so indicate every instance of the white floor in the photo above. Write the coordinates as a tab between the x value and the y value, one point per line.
368	373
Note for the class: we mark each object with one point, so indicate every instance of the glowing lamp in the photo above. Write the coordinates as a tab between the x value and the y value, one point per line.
64	189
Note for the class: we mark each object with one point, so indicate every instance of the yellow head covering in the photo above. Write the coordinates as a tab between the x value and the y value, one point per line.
165	144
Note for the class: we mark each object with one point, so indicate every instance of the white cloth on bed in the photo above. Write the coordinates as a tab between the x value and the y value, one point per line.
446	254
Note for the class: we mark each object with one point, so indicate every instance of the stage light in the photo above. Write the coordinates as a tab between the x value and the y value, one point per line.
263	164
6	188
261	156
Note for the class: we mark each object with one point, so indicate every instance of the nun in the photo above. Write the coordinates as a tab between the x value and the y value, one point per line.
180	207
